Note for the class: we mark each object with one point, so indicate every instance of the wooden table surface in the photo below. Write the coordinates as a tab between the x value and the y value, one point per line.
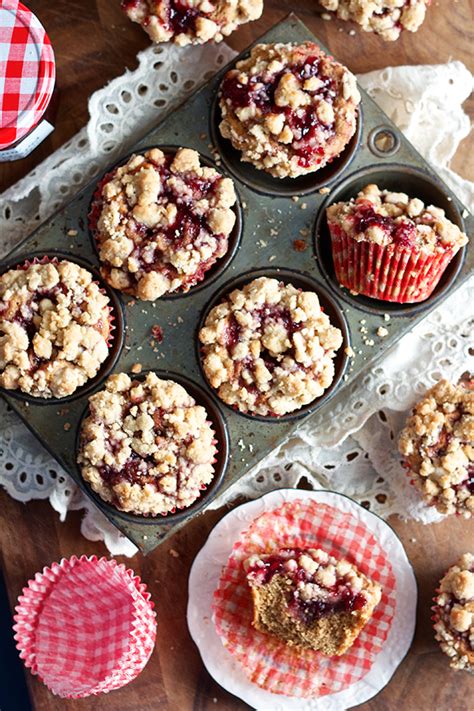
93	44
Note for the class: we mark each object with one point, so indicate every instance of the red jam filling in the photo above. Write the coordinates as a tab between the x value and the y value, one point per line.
340	597
186	230
306	127
402	233
181	17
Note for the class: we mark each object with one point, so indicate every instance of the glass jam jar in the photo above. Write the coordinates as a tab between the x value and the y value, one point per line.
27	79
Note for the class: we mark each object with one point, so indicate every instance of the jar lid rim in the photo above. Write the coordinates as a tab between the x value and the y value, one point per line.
29	71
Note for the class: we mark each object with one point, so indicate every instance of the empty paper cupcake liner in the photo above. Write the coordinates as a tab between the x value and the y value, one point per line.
389	273
270	663
85	626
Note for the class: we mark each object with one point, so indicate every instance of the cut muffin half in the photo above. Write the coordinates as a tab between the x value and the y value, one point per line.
310	599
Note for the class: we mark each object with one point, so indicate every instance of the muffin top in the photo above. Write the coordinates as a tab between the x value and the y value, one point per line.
191	21
454	613
290	109
161	221
268	348
386	18
438	445
146	446
386	217
54	328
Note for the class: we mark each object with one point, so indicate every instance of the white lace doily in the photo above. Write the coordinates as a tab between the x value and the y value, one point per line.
352	449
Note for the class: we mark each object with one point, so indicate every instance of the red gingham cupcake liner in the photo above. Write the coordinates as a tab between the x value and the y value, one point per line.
390	273
55	260
85	626
268	662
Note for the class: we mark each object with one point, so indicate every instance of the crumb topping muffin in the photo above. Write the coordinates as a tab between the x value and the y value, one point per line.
268	348
191	21
55	323
310	599
386	217
289	109
438	447
453	614
160	222
146	446
386	18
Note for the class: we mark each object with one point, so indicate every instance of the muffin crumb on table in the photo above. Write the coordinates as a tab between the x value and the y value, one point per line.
453	613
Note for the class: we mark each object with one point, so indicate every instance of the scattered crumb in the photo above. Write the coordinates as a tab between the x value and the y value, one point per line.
352	33
272	258
326	16
304	205
251	448
465	213
349	352
136	368
72	233
386	317
299	245
304	232
324	191
67	426
363	321
369	342
173	553
244	205
241	444
412	540
382	331
295	198
132	302
157	332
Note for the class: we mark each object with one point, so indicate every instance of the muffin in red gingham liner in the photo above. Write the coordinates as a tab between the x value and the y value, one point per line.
390	246
85	626
259	667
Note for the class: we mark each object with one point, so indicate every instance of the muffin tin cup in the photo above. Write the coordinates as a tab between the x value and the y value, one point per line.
117	321
234	238
328	305
221	434
399	178
263	182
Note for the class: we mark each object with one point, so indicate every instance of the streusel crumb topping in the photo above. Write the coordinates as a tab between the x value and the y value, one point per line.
454	613
438	446
54	328
268	348
386	217
191	21
146	446
161	221
290	109
387	18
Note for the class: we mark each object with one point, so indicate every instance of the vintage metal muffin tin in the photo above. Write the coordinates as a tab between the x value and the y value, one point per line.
280	231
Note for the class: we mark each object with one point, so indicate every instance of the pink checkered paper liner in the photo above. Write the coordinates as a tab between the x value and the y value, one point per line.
85	626
271	664
27	71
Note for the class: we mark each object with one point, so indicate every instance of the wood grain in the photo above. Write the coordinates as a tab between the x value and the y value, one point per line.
93	44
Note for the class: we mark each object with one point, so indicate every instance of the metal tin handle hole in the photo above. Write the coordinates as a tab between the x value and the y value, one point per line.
383	142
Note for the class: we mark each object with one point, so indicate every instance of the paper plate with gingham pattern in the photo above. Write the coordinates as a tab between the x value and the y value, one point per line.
265	673
85	626
27	71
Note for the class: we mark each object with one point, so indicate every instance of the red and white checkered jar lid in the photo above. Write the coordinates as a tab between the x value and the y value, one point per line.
27	71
